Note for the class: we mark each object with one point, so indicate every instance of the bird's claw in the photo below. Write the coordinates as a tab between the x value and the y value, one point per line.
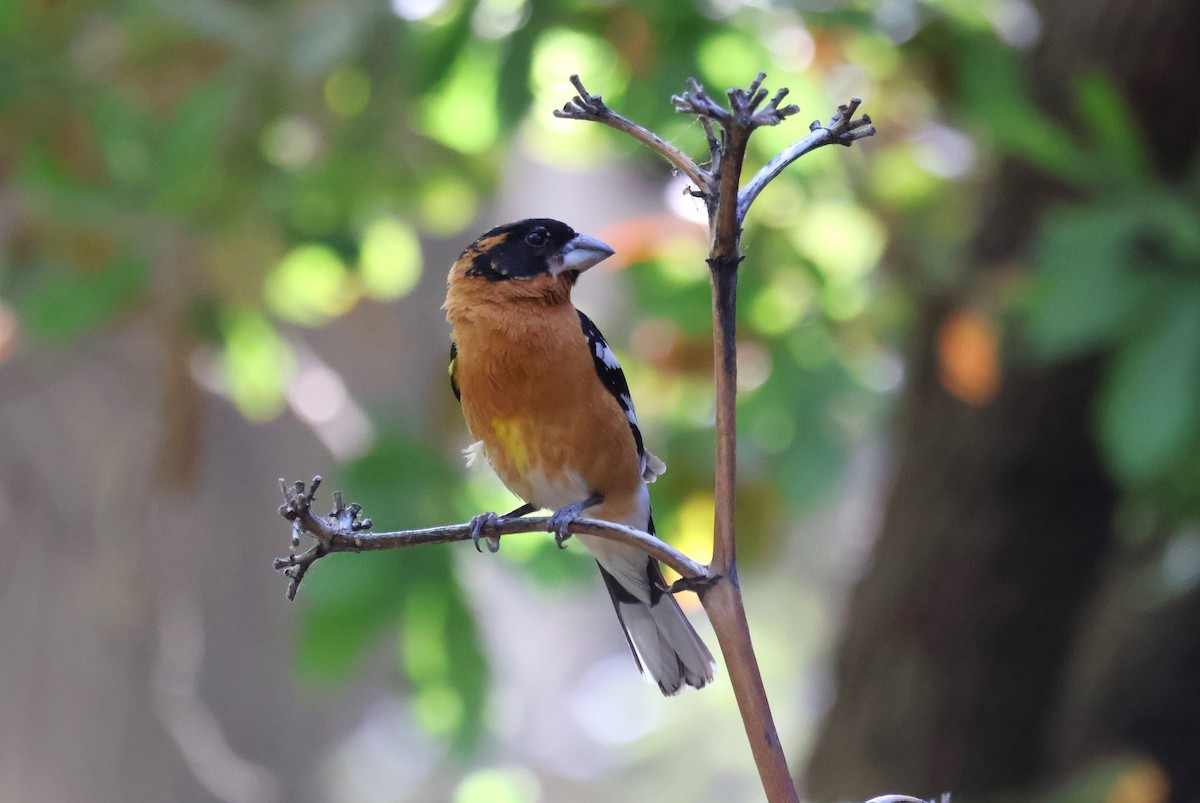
560	523
477	524
561	520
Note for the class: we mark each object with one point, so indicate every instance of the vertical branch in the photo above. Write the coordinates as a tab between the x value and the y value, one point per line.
727	206
725	234
723	604
723	601
724	281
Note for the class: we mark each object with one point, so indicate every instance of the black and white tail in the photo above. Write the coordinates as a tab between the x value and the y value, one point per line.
664	644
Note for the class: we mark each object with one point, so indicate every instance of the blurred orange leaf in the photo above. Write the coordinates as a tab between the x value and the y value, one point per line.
968	356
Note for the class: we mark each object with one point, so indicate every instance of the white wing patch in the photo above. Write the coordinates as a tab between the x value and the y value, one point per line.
627	405
606	356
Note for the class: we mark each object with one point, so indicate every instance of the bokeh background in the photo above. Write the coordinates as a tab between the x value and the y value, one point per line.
969	410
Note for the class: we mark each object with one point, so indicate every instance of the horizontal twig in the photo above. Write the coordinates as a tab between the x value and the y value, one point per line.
342	531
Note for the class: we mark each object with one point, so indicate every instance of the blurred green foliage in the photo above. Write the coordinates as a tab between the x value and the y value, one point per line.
253	167
413	593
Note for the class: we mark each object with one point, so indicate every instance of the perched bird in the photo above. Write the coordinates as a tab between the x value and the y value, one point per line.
550	410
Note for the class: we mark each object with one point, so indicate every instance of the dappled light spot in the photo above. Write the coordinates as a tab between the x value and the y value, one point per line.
389	260
899	181
291	142
690	530
968	356
779	306
319	394
844	241
561	52
418	10
943	151
496	19
876	368
558	53
728	57
611	705
446	205
844	299
1144	782
439	709
455	112
347	92
256	363
499	785
753	366
1016	21
677	193
1181	562
792	47
319	397
309	286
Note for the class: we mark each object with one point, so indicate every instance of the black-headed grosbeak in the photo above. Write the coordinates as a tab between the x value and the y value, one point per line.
550	409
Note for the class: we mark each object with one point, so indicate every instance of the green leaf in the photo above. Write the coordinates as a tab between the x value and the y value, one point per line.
1082	294
69	301
1117	155
186	164
1150	404
994	90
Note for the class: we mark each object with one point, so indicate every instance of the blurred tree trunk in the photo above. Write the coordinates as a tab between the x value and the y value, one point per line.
999	525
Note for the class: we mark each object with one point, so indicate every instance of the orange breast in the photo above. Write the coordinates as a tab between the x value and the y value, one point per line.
551	430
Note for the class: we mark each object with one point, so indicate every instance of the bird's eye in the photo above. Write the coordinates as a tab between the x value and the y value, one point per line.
537	238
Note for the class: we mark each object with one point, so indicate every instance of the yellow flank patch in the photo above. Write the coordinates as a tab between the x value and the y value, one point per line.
512	442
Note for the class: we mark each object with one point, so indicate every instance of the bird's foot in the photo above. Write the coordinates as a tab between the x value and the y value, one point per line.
697	584
485	520
478	523
560	521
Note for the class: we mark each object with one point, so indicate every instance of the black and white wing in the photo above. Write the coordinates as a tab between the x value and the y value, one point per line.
613	378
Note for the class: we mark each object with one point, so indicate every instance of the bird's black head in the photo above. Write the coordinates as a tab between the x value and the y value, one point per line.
531	248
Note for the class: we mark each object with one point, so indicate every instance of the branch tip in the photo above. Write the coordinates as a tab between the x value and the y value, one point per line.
589	107
344	531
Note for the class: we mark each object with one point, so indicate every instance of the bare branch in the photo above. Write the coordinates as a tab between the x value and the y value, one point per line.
342	531
842	130
696	101
586	106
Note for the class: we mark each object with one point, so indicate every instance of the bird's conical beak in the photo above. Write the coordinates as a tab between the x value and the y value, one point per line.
581	253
